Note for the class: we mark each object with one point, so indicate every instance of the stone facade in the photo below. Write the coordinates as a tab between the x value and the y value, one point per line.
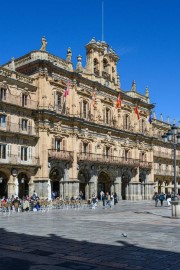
60	129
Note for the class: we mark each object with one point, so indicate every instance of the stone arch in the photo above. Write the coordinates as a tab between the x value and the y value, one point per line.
22	184
105	182
56	174
3	184
126	179
84	177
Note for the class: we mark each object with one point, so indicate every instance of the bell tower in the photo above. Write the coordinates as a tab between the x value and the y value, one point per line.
101	63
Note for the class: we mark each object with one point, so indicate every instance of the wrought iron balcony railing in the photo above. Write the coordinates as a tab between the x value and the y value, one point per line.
17	160
99	158
60	154
145	164
19	101
165	172
16	128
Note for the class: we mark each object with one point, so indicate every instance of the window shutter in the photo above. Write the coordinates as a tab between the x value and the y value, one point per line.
104	115
90	148
55	99
8	121
80	104
64	144
104	151
53	144
80	147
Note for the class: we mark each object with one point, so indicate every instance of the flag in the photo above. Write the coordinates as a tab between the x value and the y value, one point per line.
150	119
118	102
137	112
66	93
93	99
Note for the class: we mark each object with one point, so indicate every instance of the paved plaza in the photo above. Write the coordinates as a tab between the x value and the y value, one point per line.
91	239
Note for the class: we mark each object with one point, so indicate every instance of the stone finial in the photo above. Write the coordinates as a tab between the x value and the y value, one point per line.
69	55
118	80
161	117
93	40
168	120
154	115
79	63
12	64
147	92
134	86
44	44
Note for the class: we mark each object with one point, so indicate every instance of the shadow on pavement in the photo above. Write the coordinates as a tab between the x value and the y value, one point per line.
29	252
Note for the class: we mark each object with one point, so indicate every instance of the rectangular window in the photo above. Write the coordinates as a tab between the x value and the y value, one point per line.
3	94
3	151
107	151
58	144
107	116
85	148
24	100
2	120
84	109
24	153
24	124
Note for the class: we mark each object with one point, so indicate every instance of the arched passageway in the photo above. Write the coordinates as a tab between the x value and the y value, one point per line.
104	183
125	186
84	177
23	182
3	185
55	177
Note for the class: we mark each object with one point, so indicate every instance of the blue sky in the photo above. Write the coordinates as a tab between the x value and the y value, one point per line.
144	33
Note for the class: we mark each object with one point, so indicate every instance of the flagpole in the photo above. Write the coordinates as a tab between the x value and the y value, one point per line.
102	20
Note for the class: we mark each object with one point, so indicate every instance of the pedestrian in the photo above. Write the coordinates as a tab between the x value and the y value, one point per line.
156	198
168	198
115	198
101	195
161	198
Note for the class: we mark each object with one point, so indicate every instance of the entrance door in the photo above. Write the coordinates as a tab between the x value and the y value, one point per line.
55	188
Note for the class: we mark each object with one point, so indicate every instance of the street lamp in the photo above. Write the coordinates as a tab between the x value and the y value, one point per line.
1	180
173	136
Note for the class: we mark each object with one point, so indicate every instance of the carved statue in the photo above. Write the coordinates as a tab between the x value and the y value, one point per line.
44	44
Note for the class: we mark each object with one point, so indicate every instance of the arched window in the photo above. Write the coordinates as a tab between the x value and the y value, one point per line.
96	67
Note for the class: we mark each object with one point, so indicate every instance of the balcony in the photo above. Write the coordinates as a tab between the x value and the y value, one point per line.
16	128
98	158
19	101
165	172
145	164
60	154
165	155
16	160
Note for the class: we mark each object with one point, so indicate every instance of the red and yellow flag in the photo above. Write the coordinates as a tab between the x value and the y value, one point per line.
118	102
136	110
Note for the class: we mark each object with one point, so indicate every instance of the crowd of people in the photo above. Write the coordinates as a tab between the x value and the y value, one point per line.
161	197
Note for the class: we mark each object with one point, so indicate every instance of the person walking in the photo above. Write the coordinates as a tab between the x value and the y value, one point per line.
161	198
156	198
168	198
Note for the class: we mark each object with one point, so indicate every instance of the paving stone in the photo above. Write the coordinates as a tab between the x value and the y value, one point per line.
86	239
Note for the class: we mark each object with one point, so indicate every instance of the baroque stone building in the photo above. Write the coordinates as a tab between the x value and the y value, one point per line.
60	129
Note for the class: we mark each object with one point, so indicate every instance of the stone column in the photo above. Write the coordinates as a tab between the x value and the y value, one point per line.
31	186
117	187
61	188
11	186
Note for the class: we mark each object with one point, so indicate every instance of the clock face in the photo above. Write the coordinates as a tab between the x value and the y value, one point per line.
14	172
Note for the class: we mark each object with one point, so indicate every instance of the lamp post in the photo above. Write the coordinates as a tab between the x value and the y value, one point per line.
173	136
